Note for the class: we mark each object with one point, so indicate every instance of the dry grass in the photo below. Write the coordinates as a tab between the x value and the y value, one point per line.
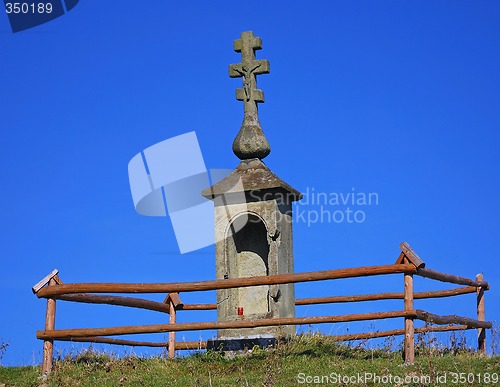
308	355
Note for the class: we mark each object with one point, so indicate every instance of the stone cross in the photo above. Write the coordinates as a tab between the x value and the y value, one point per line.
248	69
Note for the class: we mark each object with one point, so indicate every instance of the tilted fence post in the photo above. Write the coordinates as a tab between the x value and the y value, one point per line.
409	348
171	335
48	345
174	301
481	332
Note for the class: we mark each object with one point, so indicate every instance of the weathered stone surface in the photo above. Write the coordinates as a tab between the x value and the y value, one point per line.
254	237
250	141
248	69
250	176
253	218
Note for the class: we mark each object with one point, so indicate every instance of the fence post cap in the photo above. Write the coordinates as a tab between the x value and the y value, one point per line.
44	281
411	255
175	299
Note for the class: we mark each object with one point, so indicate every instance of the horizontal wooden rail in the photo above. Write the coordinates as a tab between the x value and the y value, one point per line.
159	328
108	340
454	279
443	320
161	307
198	307
444	293
115	300
225	283
190	345
357	298
72	334
384	296
399	332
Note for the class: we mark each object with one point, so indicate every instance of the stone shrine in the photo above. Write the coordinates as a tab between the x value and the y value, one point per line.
253	220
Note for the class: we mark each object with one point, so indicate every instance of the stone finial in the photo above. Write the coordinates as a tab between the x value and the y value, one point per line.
250	141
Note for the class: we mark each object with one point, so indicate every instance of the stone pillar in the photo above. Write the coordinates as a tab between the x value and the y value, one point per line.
253	230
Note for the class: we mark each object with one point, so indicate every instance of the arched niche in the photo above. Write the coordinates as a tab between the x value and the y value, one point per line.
247	255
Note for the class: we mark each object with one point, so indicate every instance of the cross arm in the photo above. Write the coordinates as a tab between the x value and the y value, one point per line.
247	38
256	67
257	95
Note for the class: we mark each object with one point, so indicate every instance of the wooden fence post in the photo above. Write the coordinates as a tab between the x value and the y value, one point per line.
173	301
48	345
481	332
171	335
409	348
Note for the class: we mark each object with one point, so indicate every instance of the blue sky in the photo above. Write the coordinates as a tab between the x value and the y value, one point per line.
395	98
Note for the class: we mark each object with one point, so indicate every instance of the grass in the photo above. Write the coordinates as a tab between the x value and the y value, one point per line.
305	359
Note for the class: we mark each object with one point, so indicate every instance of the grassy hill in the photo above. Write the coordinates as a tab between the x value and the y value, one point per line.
306	360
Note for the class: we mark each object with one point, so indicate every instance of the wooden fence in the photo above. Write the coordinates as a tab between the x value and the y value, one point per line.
408	264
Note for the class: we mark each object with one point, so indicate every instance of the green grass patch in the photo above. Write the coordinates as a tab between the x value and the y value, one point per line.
306	358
